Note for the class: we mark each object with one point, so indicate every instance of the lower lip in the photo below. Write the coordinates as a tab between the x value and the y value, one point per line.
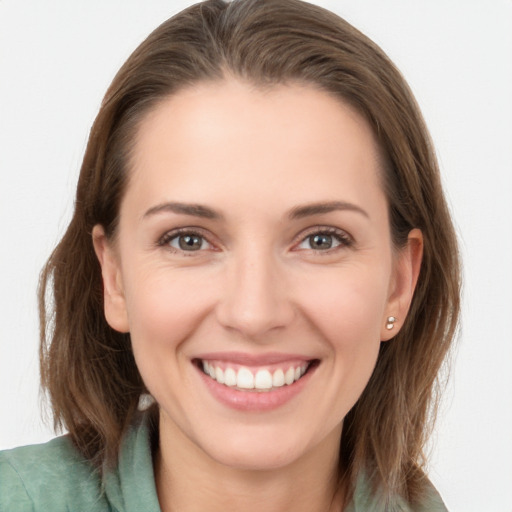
254	400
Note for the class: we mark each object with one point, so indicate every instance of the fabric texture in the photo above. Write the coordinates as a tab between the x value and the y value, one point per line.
55	477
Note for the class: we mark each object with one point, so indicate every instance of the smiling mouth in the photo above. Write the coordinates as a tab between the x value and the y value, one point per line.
243	378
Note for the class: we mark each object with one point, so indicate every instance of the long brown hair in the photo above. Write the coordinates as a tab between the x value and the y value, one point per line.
88	368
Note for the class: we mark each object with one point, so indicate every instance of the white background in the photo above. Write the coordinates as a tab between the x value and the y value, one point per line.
57	58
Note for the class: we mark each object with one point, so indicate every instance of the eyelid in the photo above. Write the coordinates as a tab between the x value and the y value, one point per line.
345	239
164	240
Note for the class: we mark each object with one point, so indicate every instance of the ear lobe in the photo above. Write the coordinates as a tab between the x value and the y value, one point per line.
113	294
406	271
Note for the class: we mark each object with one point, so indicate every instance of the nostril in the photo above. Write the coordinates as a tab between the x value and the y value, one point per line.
254	299
254	319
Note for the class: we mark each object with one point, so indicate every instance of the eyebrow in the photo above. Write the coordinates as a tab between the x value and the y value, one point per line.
299	212
195	210
307	210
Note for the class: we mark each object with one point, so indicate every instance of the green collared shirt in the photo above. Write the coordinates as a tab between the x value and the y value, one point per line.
54	477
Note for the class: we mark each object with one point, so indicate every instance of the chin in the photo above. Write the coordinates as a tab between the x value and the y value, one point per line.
262	447
254	458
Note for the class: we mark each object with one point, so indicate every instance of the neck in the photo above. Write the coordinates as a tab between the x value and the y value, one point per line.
188	479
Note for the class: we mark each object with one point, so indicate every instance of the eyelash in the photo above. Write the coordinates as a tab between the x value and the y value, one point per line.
343	239
168	237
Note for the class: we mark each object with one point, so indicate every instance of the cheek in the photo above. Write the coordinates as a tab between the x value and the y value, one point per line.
346	309
164	311
347	305
164	308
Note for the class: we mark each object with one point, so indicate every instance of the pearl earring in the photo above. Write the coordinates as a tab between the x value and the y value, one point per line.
390	322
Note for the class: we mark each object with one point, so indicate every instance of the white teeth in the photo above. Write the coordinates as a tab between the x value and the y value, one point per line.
278	378
261	380
245	379
289	376
219	375
230	377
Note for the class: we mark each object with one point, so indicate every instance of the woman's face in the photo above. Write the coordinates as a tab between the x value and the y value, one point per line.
254	268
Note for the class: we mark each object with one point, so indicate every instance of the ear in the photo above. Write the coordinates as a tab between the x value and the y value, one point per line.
406	270
114	299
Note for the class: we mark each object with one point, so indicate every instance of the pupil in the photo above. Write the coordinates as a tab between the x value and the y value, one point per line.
321	241
190	242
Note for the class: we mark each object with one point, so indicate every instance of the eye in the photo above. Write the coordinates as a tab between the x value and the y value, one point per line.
324	240
185	241
188	242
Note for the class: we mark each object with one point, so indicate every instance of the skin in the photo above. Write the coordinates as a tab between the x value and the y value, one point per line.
256	285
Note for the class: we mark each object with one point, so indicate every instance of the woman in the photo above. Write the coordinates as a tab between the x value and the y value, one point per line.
261	245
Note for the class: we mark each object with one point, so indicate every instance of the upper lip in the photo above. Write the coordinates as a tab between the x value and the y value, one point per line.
247	359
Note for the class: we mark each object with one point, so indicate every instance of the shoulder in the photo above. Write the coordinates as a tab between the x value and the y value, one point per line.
55	477
51	476
365	499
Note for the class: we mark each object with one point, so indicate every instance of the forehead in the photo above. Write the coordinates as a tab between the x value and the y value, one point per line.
203	109
230	136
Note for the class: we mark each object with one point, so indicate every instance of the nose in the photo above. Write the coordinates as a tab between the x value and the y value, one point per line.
255	299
